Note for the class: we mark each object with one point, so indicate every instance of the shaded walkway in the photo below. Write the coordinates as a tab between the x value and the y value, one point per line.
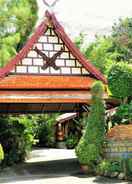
50	166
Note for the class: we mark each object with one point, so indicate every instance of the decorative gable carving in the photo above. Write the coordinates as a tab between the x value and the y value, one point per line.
50	44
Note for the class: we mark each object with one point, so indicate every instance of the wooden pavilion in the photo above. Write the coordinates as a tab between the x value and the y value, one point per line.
49	74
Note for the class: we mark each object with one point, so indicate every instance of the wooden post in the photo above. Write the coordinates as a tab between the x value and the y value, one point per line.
60	133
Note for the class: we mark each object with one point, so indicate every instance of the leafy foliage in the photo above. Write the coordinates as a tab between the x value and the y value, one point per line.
46	130
120	80
16	137
106	51
17	18
123	114
79	40
122	39
89	148
100	53
109	166
72	141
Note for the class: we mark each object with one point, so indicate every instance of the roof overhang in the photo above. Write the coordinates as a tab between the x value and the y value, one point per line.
46	82
34	96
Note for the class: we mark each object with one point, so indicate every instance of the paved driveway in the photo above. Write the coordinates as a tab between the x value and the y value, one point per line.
50	166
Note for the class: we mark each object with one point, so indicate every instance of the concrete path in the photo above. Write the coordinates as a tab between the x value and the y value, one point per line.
51	166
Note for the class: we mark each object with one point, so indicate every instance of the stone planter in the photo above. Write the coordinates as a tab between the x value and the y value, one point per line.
119	142
118	149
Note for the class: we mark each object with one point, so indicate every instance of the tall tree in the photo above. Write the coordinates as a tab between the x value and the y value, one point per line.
122	39
17	18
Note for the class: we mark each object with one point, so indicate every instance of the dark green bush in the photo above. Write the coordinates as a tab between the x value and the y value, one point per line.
75	128
90	145
71	141
109	166
130	165
120	80
46	130
123	114
16	137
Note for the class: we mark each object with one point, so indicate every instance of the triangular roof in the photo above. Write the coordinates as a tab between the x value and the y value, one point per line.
42	28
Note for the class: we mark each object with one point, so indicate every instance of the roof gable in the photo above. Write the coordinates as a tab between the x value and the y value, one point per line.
71	61
49	44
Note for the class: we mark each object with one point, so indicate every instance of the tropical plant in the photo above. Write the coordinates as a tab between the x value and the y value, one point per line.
123	114
16	137
17	18
46	130
120	80
109	166
71	141
101	54
89	149
122	39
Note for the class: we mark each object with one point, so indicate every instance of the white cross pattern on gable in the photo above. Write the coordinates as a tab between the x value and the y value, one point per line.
50	44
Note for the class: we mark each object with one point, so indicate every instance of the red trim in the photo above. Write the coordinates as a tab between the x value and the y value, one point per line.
46	82
61	34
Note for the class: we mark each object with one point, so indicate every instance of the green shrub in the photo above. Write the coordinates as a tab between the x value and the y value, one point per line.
103	166
120	80
46	135
71	141
46	130
124	113
16	137
109	166
130	165
90	145
101	54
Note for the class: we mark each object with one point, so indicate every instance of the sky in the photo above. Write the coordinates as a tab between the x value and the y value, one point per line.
89	16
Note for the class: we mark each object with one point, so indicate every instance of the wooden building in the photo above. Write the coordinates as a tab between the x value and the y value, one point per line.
49	74
62	125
